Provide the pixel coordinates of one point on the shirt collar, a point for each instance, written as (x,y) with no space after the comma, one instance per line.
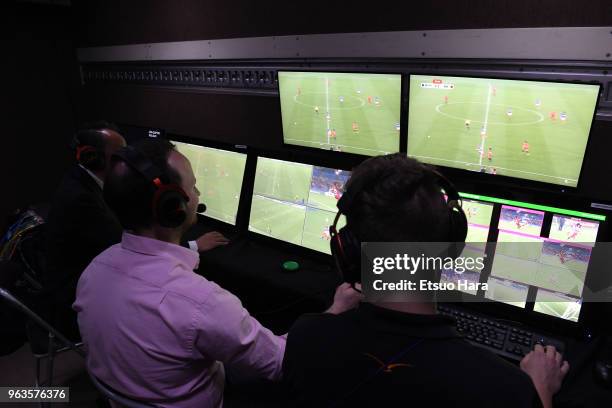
(410,324)
(96,178)
(150,246)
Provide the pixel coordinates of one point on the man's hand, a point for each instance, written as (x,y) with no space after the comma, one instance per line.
(546,368)
(211,240)
(346,298)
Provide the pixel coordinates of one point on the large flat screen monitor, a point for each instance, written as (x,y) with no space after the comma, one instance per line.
(219,175)
(348,112)
(296,202)
(523,129)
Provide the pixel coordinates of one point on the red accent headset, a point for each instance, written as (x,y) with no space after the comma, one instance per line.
(346,247)
(169,203)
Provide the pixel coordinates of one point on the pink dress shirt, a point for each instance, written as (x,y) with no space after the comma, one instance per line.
(154,330)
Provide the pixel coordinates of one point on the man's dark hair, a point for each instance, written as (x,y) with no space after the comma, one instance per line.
(129,194)
(396,198)
(90,134)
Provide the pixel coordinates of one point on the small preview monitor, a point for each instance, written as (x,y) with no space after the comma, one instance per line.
(219,175)
(522,129)
(346,112)
(296,202)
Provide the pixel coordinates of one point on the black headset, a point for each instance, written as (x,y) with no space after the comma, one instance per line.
(346,247)
(169,204)
(89,156)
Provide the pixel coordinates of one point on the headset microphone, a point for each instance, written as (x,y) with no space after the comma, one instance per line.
(201,208)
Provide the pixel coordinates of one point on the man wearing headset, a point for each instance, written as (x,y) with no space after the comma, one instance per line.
(384,353)
(81,225)
(155,330)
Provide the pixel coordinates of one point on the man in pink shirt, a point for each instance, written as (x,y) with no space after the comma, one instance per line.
(153,329)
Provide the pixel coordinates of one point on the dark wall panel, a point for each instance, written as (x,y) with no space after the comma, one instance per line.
(252,120)
(111,22)
(41,119)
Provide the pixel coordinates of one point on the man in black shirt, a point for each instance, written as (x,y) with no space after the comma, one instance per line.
(403,353)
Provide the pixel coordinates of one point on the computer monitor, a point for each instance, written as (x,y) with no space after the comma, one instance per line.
(523,129)
(219,175)
(545,251)
(348,112)
(296,202)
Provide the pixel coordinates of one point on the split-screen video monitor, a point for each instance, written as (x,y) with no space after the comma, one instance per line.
(523,129)
(219,175)
(296,202)
(346,112)
(554,264)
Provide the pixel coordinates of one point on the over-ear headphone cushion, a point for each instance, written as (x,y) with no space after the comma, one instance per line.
(170,206)
(346,249)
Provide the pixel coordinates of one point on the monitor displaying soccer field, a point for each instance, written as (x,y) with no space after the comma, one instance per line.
(296,202)
(345,112)
(523,129)
(219,175)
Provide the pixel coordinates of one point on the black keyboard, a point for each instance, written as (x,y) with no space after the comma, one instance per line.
(497,335)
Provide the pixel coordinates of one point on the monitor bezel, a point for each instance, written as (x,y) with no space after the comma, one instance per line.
(403,110)
(509,180)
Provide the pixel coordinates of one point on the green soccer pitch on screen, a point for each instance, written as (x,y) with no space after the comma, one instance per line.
(219,175)
(523,129)
(296,202)
(346,112)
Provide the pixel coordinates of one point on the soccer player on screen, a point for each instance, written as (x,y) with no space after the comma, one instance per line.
(517,221)
(553,115)
(494,91)
(538,103)
(355,127)
(563,116)
(369,99)
(509,113)
(490,154)
(316,109)
(325,234)
(575,231)
(467,123)
(299,91)
(445,98)
(341,99)
(494,171)
(525,147)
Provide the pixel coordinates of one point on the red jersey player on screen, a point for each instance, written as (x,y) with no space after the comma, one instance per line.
(445,98)
(369,99)
(525,147)
(553,115)
(517,221)
(575,231)
(490,154)
(355,127)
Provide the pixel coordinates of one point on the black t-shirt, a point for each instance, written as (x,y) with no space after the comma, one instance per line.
(377,357)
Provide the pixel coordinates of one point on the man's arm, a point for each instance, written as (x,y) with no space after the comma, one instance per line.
(228,333)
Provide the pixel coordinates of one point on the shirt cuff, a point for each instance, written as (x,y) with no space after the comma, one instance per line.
(193,245)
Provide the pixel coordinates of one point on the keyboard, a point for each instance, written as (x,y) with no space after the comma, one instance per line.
(497,335)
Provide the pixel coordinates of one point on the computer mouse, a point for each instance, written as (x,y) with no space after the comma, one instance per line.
(602,371)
